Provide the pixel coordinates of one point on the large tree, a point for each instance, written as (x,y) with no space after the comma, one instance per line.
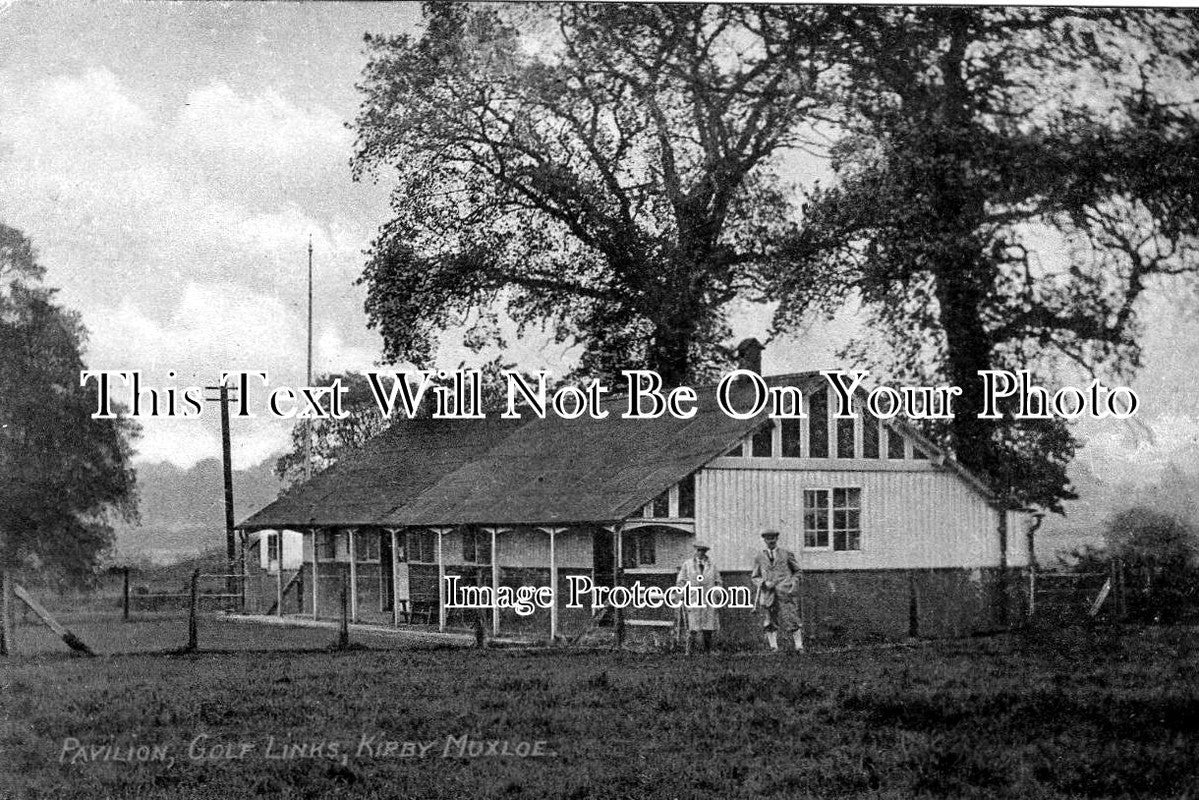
(1010,184)
(63,475)
(607,169)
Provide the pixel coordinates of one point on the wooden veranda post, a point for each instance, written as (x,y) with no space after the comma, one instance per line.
(316,600)
(353,534)
(279,575)
(495,582)
(343,632)
(617,571)
(553,587)
(395,575)
(440,578)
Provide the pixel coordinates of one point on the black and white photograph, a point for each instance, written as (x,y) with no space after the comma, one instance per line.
(610,400)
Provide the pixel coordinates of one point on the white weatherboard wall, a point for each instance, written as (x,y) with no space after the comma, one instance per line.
(530,547)
(910,519)
(294,550)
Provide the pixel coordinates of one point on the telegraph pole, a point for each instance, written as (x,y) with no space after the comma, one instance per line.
(227,471)
(227,464)
(308,423)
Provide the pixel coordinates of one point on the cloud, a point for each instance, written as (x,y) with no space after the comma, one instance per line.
(266,128)
(93,107)
(181,234)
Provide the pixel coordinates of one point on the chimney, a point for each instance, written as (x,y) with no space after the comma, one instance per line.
(749,355)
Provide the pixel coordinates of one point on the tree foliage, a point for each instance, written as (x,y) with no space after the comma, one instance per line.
(63,475)
(1010,182)
(605,168)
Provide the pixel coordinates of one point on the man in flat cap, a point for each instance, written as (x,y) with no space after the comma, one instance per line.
(776,580)
(699,571)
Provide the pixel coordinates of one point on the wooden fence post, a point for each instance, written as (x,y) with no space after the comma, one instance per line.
(1032,591)
(125,597)
(193,631)
(6,609)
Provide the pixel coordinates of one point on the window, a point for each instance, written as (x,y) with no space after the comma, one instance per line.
(366,545)
(818,424)
(687,497)
(833,516)
(815,518)
(422,546)
(762,445)
(845,432)
(326,545)
(638,548)
(870,437)
(660,508)
(847,519)
(790,436)
(476,546)
(894,444)
(272,545)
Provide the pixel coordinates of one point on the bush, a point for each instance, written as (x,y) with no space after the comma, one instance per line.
(1158,555)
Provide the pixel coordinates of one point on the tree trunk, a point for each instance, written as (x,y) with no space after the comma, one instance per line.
(670,351)
(960,293)
(964,274)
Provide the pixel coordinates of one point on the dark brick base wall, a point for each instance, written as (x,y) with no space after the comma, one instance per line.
(838,606)
(889,605)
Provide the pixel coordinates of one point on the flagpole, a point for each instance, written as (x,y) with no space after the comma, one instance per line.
(308,423)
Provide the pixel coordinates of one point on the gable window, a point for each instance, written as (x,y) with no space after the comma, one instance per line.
(366,545)
(660,508)
(790,436)
(845,433)
(687,497)
(762,444)
(476,546)
(422,547)
(833,518)
(638,548)
(818,424)
(870,437)
(894,445)
(326,545)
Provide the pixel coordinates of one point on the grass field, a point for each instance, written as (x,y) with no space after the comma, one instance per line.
(1073,714)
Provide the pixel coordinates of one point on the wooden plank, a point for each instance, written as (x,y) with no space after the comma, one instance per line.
(278,602)
(69,639)
(1103,593)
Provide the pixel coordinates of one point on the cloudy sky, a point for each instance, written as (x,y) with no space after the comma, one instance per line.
(170,162)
